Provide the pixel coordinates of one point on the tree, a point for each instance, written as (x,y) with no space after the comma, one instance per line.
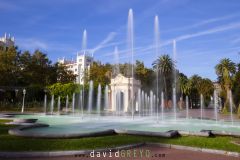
(144,74)
(63,90)
(99,74)
(206,89)
(225,71)
(165,66)
(236,87)
(64,75)
(183,84)
(9,66)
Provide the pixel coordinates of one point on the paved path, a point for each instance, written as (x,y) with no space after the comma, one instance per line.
(160,153)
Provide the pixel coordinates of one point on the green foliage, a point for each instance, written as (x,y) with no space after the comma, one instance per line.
(165,67)
(64,75)
(99,74)
(145,75)
(33,71)
(8,66)
(236,87)
(225,71)
(63,90)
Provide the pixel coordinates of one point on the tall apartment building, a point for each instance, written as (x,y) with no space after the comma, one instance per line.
(79,66)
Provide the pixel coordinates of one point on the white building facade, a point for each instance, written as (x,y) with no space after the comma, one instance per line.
(6,41)
(79,66)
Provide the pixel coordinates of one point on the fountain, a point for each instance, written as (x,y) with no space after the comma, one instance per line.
(174,104)
(151,103)
(230,105)
(106,99)
(99,95)
(148,104)
(201,105)
(130,45)
(45,103)
(84,48)
(73,103)
(162,106)
(59,104)
(156,36)
(90,97)
(67,101)
(174,80)
(187,107)
(84,41)
(142,103)
(139,102)
(216,105)
(52,104)
(79,101)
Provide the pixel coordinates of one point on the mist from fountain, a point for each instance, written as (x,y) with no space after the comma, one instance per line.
(201,105)
(187,107)
(52,105)
(162,106)
(174,80)
(151,103)
(59,104)
(67,101)
(142,103)
(146,104)
(99,96)
(45,104)
(156,38)
(90,97)
(79,101)
(231,105)
(84,41)
(216,105)
(73,103)
(106,99)
(130,45)
(174,104)
(84,48)
(139,102)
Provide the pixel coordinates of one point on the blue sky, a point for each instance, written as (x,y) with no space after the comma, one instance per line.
(206,31)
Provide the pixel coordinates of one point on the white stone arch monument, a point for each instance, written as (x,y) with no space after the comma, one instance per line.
(123,86)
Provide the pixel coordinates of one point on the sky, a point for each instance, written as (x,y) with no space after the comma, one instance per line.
(205,31)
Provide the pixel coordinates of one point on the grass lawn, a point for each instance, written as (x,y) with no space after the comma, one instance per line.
(13,143)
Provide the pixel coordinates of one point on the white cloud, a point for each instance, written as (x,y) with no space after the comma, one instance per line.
(103,43)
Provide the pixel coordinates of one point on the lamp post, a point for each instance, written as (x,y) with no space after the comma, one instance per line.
(24,93)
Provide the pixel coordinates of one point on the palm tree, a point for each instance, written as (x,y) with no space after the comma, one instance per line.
(183,84)
(225,70)
(164,65)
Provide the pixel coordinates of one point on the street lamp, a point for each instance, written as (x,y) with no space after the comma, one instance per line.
(24,93)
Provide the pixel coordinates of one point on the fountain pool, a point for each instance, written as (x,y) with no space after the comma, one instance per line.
(73,124)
